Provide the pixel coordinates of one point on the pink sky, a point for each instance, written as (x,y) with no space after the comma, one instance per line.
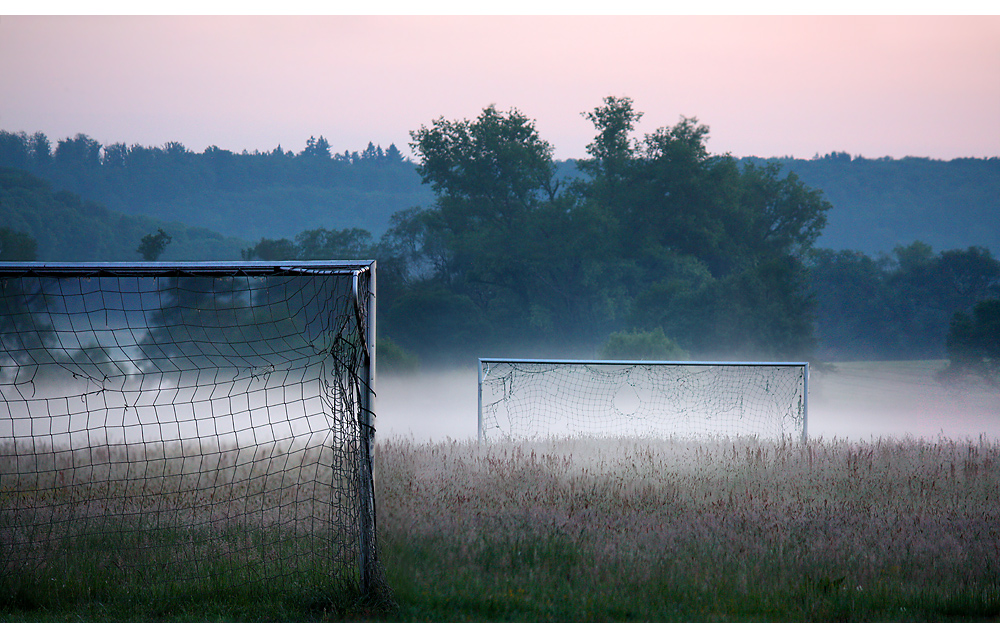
(766,86)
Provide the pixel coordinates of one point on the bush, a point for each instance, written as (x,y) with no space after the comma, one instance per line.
(974,343)
(392,358)
(649,345)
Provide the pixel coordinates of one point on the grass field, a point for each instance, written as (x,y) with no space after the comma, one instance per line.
(730,530)
(892,529)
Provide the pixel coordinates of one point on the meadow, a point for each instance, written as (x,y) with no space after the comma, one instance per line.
(674,530)
(892,528)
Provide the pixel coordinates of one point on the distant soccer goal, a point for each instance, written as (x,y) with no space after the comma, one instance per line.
(195,421)
(524,399)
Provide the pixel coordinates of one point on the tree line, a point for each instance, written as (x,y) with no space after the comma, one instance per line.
(881,203)
(40,222)
(896,306)
(648,244)
(244,195)
(656,241)
(877,203)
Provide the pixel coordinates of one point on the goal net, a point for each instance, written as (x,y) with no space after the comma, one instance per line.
(207,423)
(524,399)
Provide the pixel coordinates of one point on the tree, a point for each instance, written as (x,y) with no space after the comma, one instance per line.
(78,152)
(493,169)
(40,150)
(651,345)
(491,176)
(372,153)
(717,249)
(14,150)
(504,234)
(851,296)
(778,216)
(316,148)
(612,149)
(15,246)
(660,235)
(319,243)
(974,343)
(349,243)
(152,246)
(392,155)
(271,250)
(115,155)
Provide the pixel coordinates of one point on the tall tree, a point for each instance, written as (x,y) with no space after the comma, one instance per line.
(717,250)
(152,246)
(504,234)
(490,176)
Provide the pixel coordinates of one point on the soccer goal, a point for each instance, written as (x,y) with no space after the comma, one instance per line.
(524,399)
(206,422)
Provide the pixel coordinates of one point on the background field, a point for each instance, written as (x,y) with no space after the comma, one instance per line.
(868,521)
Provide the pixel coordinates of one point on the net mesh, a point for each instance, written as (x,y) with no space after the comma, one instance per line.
(524,399)
(188,425)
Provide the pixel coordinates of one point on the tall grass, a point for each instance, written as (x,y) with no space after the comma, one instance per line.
(171,521)
(566,530)
(579,529)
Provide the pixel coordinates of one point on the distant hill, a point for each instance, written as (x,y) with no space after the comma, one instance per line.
(879,204)
(68,228)
(246,195)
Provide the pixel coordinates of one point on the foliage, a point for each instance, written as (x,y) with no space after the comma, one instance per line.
(730,257)
(659,233)
(641,345)
(15,246)
(316,244)
(437,321)
(68,228)
(880,203)
(974,343)
(393,359)
(896,306)
(239,194)
(152,246)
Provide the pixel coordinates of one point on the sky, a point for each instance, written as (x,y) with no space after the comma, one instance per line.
(768,86)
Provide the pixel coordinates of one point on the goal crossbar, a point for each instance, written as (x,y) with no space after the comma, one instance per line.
(513,401)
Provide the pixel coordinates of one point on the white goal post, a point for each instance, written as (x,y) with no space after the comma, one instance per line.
(210,421)
(537,398)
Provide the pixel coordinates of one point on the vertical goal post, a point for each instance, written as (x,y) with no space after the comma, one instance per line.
(225,404)
(533,398)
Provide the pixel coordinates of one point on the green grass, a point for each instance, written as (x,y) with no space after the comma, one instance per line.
(154,576)
(731,530)
(576,530)
(500,588)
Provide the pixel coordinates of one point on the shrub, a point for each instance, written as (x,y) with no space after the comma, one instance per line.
(392,358)
(649,345)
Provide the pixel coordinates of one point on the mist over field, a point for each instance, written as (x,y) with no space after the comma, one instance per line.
(852,401)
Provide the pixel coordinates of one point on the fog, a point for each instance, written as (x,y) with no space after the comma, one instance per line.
(852,401)
(429,406)
(866,400)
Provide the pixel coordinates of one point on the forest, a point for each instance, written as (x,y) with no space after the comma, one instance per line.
(488,246)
